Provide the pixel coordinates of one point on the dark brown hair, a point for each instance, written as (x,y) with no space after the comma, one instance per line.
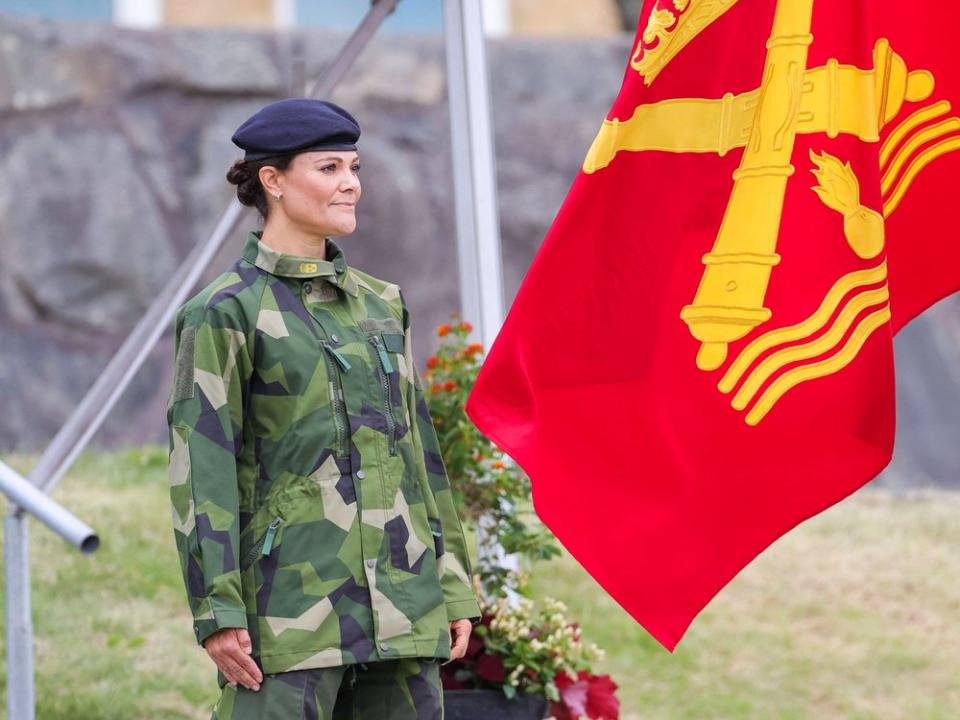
(245,174)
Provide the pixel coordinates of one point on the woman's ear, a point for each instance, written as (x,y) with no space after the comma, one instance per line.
(269,179)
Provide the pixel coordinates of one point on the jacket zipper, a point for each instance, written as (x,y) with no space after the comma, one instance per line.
(271,533)
(339,410)
(386,367)
(265,545)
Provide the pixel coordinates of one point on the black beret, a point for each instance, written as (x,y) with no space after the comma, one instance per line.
(296,125)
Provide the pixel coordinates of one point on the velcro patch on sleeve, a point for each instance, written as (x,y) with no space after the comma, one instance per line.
(183,375)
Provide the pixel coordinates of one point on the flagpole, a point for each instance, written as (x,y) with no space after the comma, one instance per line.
(475,196)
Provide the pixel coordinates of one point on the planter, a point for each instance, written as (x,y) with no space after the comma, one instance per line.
(492,705)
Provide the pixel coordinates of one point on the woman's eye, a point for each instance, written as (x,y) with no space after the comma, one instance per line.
(356,168)
(328,168)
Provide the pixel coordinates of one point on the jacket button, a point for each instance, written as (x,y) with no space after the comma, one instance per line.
(384,646)
(307,288)
(361,474)
(371,563)
(333,336)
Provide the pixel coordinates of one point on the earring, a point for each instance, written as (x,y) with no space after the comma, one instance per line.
(277,196)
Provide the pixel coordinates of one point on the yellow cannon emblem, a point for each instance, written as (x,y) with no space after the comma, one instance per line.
(792,99)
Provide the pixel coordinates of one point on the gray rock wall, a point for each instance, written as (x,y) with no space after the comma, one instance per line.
(113,149)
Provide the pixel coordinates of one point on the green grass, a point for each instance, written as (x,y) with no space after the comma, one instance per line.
(113,632)
(856,614)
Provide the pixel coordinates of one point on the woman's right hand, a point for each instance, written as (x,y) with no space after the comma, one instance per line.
(230,649)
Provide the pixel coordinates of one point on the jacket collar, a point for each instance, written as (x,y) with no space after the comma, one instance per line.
(335,270)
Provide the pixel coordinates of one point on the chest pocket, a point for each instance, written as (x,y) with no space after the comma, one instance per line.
(387,333)
(393,341)
(385,337)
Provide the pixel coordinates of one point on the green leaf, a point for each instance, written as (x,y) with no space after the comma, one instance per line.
(550,689)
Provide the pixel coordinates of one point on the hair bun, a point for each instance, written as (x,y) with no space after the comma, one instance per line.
(248,185)
(245,174)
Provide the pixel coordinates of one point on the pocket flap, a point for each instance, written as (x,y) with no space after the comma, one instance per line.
(393,341)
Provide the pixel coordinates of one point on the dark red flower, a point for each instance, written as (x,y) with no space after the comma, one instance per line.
(474,648)
(573,697)
(490,667)
(593,696)
(449,680)
(602,700)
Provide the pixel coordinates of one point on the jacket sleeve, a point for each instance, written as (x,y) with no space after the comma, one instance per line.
(453,561)
(205,418)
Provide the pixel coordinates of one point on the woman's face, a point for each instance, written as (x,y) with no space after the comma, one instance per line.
(320,190)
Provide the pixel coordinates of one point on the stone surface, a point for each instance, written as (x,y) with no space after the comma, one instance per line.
(114,144)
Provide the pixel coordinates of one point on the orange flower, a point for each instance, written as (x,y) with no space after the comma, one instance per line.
(438,421)
(450,385)
(433,361)
(466,326)
(443,330)
(473,349)
(499,464)
(436,387)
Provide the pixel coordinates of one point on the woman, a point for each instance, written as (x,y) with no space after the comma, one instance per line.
(324,561)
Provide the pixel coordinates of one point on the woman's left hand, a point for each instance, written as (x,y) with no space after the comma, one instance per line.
(459,634)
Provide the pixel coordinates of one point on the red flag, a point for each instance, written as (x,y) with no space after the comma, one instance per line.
(700,356)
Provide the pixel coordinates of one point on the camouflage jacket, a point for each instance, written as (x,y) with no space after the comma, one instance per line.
(310,500)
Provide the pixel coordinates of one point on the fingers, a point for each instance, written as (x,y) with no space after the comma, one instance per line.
(243,637)
(461,632)
(230,649)
(240,673)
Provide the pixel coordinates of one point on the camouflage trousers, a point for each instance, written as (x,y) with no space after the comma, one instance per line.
(402,689)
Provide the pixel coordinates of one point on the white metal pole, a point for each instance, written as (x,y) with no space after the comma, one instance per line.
(475,192)
(16,560)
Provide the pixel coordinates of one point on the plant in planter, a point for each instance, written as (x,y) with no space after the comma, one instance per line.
(521,658)
(489,490)
(521,650)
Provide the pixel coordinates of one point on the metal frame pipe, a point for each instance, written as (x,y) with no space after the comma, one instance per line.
(26,496)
